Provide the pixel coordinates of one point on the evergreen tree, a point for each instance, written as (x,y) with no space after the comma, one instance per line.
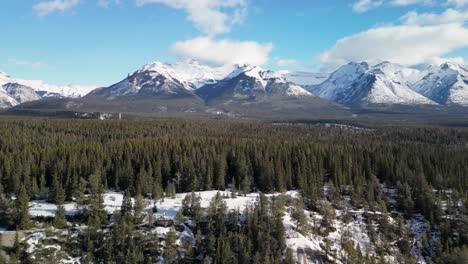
(22,208)
(300,218)
(127,204)
(60,220)
(170,250)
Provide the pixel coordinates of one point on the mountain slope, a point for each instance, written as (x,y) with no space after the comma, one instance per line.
(156,78)
(361,84)
(307,80)
(447,85)
(19,93)
(253,92)
(48,90)
(251,83)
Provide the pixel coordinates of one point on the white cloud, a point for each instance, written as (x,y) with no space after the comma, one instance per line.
(284,62)
(211,17)
(458,3)
(447,17)
(410,2)
(107,3)
(404,44)
(455,60)
(224,51)
(362,6)
(28,64)
(45,8)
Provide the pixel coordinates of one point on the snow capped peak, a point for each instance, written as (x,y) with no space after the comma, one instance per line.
(41,88)
(451,67)
(398,73)
(260,75)
(446,84)
(187,71)
(384,83)
(244,68)
(257,72)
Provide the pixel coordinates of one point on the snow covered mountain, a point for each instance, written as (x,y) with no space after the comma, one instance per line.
(14,91)
(48,90)
(249,82)
(360,83)
(157,78)
(12,94)
(447,85)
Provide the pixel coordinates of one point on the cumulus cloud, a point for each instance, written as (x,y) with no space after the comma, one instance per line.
(455,60)
(45,8)
(447,17)
(410,2)
(362,6)
(211,17)
(458,3)
(224,51)
(404,44)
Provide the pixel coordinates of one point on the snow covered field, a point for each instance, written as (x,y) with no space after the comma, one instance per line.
(167,207)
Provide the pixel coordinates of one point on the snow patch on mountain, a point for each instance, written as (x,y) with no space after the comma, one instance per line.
(447,84)
(48,90)
(252,83)
(190,73)
(384,83)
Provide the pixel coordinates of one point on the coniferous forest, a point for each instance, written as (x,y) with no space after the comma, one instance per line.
(309,175)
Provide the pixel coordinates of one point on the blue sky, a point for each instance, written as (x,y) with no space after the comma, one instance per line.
(97,42)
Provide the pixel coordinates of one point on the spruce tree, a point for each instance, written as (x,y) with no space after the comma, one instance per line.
(60,220)
(22,208)
(170,250)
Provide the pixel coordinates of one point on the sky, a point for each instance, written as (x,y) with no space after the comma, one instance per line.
(98,42)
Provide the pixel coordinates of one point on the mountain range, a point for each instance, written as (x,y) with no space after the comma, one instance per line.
(188,86)
(14,91)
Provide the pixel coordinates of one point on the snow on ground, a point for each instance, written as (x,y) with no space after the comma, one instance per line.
(41,208)
(310,247)
(170,206)
(419,226)
(167,207)
(32,240)
(297,242)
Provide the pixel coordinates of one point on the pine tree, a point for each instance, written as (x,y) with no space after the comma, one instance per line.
(60,220)
(217,214)
(80,193)
(171,190)
(220,173)
(179,218)
(139,207)
(300,218)
(96,213)
(170,250)
(191,206)
(233,188)
(56,193)
(189,256)
(22,208)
